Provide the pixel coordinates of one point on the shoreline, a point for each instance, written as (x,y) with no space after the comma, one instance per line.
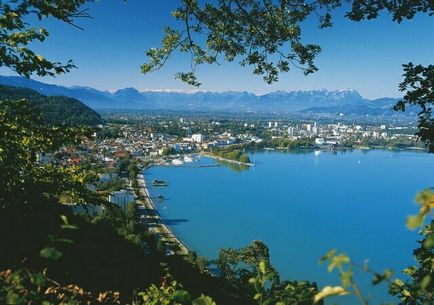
(160,228)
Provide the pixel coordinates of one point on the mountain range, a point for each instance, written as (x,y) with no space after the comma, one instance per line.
(346,102)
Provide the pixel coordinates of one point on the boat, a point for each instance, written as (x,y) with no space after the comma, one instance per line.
(177,162)
(188,159)
(156,182)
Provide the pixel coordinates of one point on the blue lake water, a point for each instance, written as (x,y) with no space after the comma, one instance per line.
(302,205)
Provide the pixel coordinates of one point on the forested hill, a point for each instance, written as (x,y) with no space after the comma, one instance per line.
(55,109)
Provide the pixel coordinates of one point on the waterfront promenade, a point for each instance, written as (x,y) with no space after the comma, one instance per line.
(156,223)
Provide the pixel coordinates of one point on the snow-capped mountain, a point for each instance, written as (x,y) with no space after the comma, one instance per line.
(346,101)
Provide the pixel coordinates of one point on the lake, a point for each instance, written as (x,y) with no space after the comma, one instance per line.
(301,204)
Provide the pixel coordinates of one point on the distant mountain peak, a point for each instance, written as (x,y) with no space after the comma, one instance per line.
(128,89)
(316,101)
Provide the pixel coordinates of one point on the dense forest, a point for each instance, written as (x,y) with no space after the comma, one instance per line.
(55,109)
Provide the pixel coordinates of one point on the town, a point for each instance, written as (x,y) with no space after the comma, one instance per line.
(125,142)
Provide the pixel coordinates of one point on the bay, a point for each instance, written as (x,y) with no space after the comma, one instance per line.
(301,204)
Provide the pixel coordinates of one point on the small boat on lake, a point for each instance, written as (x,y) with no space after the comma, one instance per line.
(156,182)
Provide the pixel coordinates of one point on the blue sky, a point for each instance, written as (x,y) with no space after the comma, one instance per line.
(365,56)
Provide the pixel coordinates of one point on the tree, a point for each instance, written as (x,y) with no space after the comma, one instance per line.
(16,34)
(250,276)
(168,151)
(420,288)
(265,34)
(132,212)
(24,135)
(418,86)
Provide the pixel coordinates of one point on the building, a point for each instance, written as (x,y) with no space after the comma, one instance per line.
(121,198)
(89,209)
(107,177)
(198,138)
(319,141)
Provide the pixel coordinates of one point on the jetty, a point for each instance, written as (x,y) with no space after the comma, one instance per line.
(157,225)
(225,160)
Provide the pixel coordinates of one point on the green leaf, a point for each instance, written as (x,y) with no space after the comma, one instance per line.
(425,282)
(50,253)
(414,222)
(329,255)
(64,219)
(181,297)
(338,261)
(38,279)
(346,278)
(263,267)
(329,291)
(64,240)
(12,298)
(378,278)
(203,300)
(69,227)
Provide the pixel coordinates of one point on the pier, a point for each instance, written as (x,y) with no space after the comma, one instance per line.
(225,160)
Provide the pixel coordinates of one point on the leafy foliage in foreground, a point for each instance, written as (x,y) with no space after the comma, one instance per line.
(419,289)
(16,34)
(266,35)
(24,135)
(25,287)
(418,86)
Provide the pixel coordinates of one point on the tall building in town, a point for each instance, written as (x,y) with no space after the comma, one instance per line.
(121,198)
(198,138)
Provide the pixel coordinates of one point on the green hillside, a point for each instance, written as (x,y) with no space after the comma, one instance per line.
(55,109)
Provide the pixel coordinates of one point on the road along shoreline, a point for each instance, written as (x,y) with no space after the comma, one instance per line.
(157,225)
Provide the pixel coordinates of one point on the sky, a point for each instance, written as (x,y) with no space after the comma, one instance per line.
(365,56)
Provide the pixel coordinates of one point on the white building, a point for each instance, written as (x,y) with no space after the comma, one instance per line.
(319,141)
(198,138)
(121,198)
